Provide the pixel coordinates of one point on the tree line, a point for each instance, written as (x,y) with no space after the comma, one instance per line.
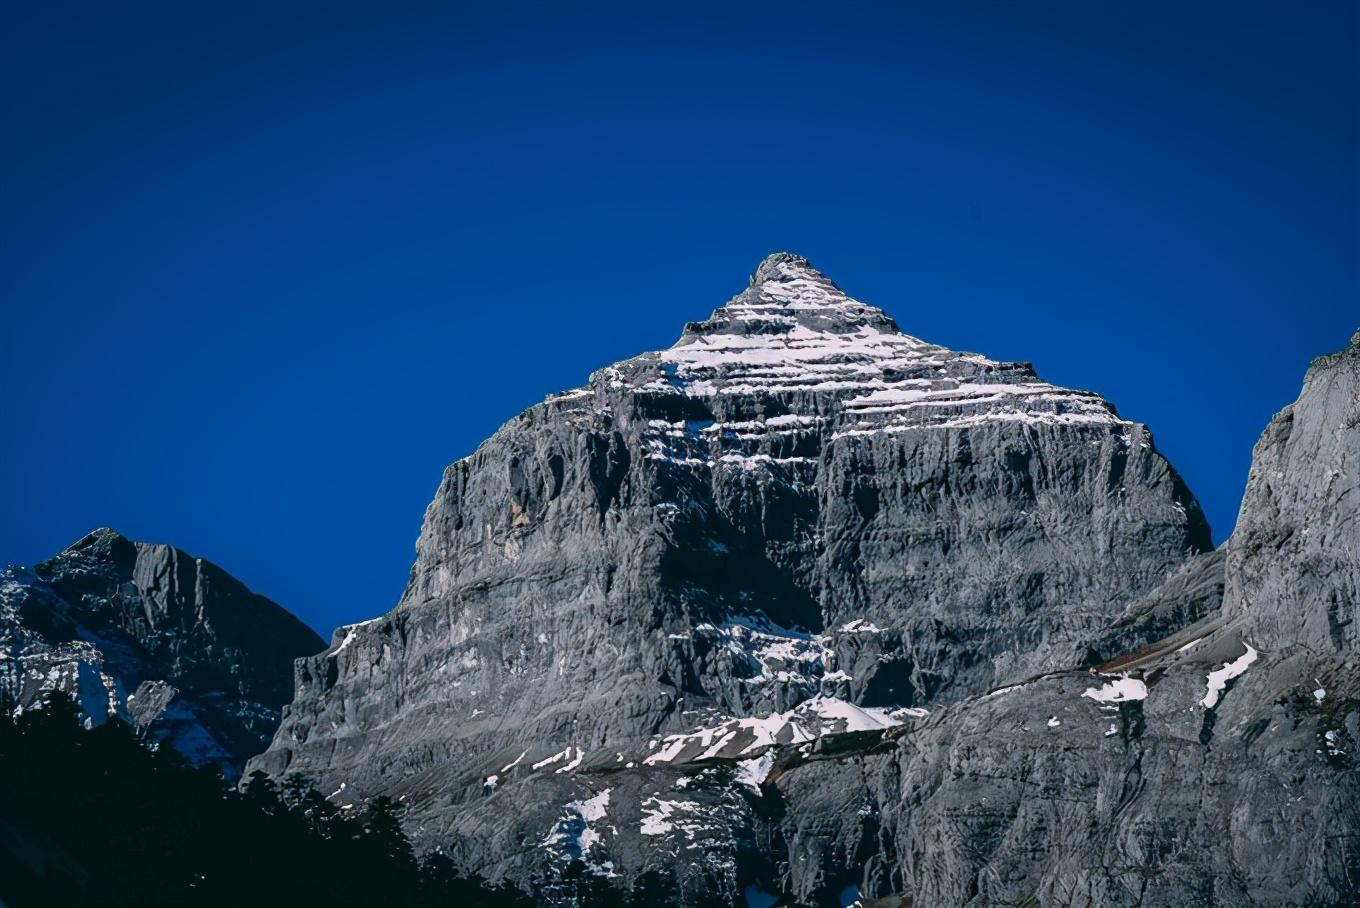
(93,816)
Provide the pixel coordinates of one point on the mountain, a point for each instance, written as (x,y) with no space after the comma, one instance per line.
(686,622)
(169,643)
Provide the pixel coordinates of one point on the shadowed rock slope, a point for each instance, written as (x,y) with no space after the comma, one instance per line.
(747,558)
(170,643)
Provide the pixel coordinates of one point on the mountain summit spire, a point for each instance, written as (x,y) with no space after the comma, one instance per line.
(783,266)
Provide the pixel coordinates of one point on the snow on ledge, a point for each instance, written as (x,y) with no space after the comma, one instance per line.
(1218,679)
(1120,690)
(351,631)
(576,761)
(548,761)
(753,772)
(656,815)
(811,719)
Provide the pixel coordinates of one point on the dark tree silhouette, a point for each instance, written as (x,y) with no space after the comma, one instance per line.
(95,817)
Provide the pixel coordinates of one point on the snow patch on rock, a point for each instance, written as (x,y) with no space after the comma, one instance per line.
(575,837)
(1219,678)
(808,721)
(1121,690)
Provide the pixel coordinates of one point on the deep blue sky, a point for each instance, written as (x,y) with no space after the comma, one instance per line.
(267,269)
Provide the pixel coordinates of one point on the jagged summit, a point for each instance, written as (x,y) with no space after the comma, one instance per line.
(96,537)
(786,266)
(101,540)
(168,642)
(793,333)
(96,534)
(787,292)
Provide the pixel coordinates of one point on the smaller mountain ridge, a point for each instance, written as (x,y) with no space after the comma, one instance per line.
(167,642)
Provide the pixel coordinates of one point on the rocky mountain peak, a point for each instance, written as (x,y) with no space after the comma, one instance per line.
(169,642)
(99,549)
(791,330)
(96,536)
(787,290)
(794,345)
(784,267)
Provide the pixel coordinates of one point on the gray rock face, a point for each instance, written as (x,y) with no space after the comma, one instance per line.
(168,642)
(1292,555)
(1187,602)
(1216,766)
(787,535)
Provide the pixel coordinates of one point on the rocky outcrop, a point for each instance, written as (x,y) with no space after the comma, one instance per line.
(170,643)
(1291,559)
(717,552)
